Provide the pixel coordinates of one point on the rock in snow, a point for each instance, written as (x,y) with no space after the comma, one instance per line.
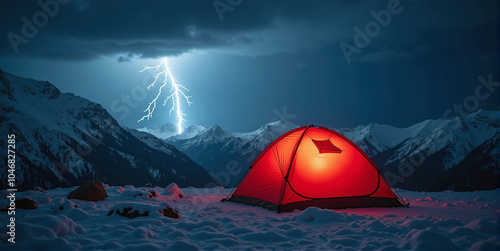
(134,210)
(173,190)
(170,213)
(26,203)
(90,191)
(128,212)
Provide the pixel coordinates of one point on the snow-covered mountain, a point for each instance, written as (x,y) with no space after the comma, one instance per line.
(431,155)
(62,139)
(169,131)
(166,131)
(224,154)
(459,136)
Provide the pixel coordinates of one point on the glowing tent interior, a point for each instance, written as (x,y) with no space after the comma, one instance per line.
(314,167)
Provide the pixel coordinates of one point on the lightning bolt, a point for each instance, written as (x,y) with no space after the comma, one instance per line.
(176,90)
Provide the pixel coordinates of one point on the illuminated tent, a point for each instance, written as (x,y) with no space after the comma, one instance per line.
(314,167)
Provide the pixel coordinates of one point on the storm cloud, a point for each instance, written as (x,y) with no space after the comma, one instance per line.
(333,63)
(83,30)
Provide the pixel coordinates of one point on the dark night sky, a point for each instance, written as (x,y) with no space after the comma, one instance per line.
(261,57)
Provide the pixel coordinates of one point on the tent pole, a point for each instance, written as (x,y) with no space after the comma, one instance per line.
(290,167)
(394,190)
(237,184)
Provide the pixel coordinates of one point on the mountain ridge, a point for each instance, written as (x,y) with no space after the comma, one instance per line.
(63,139)
(446,143)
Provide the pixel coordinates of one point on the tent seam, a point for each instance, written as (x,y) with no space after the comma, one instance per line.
(290,167)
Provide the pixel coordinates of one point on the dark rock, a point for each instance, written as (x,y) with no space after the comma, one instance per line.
(90,191)
(132,212)
(152,194)
(170,213)
(129,212)
(148,185)
(26,203)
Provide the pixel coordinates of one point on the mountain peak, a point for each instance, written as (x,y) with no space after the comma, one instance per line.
(485,113)
(216,131)
(281,123)
(195,128)
(188,133)
(278,126)
(168,127)
(164,132)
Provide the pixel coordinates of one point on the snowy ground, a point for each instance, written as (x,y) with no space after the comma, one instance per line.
(434,221)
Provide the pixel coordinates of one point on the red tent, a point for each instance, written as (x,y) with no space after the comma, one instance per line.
(314,166)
